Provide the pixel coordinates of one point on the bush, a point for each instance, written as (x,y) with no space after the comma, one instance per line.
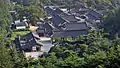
(16,30)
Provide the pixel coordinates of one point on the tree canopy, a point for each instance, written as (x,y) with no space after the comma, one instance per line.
(94,50)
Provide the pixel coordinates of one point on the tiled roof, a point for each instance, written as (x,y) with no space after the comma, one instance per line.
(69,18)
(46,27)
(18,23)
(94,15)
(28,41)
(52,11)
(56,20)
(71,30)
(49,10)
(76,26)
(69,33)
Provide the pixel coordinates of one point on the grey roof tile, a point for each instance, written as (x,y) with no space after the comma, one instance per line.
(69,33)
(28,41)
(56,20)
(76,26)
(69,18)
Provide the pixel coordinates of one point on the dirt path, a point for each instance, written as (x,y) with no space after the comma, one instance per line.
(32,28)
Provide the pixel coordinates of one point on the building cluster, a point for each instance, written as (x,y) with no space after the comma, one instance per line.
(61,22)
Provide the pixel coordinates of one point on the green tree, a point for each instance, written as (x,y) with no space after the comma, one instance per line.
(33,13)
(5,58)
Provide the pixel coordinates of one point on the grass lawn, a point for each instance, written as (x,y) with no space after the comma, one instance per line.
(15,34)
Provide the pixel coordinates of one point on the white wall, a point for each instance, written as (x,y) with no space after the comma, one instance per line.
(21,27)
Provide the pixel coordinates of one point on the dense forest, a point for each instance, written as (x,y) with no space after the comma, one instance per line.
(4,19)
(95,50)
(111,24)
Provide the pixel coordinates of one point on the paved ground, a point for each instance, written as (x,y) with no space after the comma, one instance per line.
(47,45)
(34,55)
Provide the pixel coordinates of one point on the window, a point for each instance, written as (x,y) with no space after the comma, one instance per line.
(22,44)
(38,48)
(34,49)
